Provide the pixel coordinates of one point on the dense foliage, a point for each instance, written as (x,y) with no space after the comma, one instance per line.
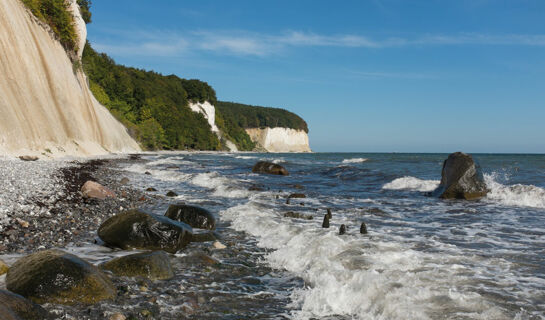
(154,107)
(247,116)
(55,13)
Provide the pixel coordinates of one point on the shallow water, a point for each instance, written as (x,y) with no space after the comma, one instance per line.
(423,258)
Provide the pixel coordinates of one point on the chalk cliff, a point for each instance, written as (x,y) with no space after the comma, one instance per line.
(45,104)
(280,139)
(209,112)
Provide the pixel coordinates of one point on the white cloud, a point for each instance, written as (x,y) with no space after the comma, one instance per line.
(240,43)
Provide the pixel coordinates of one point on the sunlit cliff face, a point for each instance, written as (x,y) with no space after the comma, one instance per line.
(45,104)
(280,139)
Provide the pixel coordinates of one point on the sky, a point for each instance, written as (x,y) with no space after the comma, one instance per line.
(367,76)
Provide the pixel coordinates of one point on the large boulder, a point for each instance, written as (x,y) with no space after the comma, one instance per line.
(14,306)
(142,230)
(461,178)
(54,276)
(269,168)
(194,216)
(95,190)
(153,265)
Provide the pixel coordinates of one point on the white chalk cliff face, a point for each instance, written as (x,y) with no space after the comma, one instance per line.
(280,139)
(46,106)
(209,112)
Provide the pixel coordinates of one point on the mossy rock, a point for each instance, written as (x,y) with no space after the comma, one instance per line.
(14,306)
(152,265)
(269,168)
(194,216)
(141,230)
(54,276)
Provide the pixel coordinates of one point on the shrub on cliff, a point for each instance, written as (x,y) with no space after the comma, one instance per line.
(55,13)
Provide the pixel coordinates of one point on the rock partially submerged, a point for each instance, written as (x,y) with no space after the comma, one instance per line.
(142,230)
(95,190)
(14,306)
(54,276)
(153,265)
(194,216)
(461,178)
(298,215)
(269,168)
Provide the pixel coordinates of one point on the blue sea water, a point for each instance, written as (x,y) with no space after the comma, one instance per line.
(423,258)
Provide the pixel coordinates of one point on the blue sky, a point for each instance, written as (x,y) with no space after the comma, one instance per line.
(369,76)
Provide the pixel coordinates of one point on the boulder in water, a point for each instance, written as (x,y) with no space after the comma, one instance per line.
(172,194)
(54,276)
(142,230)
(342,229)
(194,216)
(95,190)
(153,265)
(461,178)
(269,168)
(298,215)
(325,223)
(18,307)
(363,228)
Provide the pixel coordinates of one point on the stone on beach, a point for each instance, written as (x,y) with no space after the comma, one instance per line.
(28,158)
(461,178)
(194,216)
(218,245)
(14,306)
(269,168)
(142,230)
(95,190)
(153,265)
(54,276)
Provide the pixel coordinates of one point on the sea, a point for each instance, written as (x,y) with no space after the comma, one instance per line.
(422,257)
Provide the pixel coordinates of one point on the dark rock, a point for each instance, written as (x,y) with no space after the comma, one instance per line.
(256,188)
(363,228)
(205,237)
(151,189)
(461,178)
(19,307)
(297,195)
(54,276)
(172,194)
(342,229)
(147,173)
(152,265)
(288,201)
(124,181)
(28,158)
(298,215)
(325,224)
(269,168)
(142,230)
(329,215)
(194,216)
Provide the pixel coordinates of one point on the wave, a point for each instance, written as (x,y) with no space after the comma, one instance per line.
(412,183)
(245,157)
(357,277)
(514,195)
(355,160)
(221,186)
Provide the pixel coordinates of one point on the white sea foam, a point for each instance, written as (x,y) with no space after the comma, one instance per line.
(222,186)
(412,183)
(245,157)
(354,160)
(514,195)
(362,278)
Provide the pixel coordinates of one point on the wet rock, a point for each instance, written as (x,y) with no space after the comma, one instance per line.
(204,237)
(151,189)
(152,265)
(218,245)
(256,188)
(14,306)
(28,158)
(171,194)
(117,316)
(194,216)
(363,228)
(297,195)
(95,190)
(269,168)
(200,259)
(147,173)
(329,215)
(298,215)
(124,181)
(461,178)
(54,276)
(325,223)
(342,229)
(3,267)
(142,230)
